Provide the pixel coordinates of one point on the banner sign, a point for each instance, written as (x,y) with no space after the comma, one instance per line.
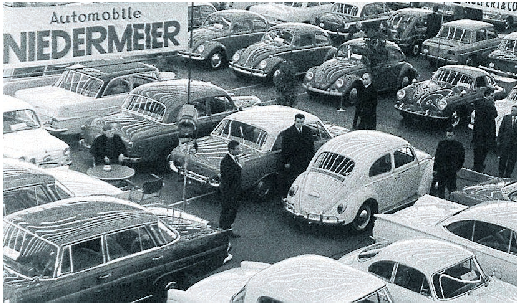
(90,31)
(494,6)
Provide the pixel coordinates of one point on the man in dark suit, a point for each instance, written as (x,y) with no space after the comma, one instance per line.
(365,117)
(483,133)
(434,22)
(297,150)
(448,160)
(108,148)
(231,186)
(507,143)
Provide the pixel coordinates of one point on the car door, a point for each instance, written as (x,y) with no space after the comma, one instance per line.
(303,55)
(406,175)
(243,34)
(218,108)
(386,74)
(204,120)
(381,181)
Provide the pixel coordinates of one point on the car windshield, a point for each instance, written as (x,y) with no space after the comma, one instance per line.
(217,22)
(335,163)
(20,120)
(345,8)
(452,77)
(354,53)
(79,83)
(508,45)
(458,279)
(278,37)
(401,21)
(28,254)
(247,134)
(458,34)
(145,106)
(372,9)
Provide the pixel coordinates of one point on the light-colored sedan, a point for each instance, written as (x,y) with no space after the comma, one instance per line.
(356,175)
(488,229)
(305,12)
(302,279)
(424,270)
(26,139)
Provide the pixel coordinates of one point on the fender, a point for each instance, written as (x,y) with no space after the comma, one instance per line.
(212,45)
(354,202)
(272,63)
(408,68)
(349,81)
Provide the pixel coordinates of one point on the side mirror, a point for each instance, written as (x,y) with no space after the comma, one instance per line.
(187,121)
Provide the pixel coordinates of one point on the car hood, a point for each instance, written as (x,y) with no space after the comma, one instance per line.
(253,54)
(212,149)
(503,55)
(421,89)
(331,70)
(49,101)
(201,35)
(334,17)
(31,142)
(319,192)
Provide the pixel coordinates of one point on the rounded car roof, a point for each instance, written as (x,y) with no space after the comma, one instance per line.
(237,14)
(312,278)
(362,42)
(69,220)
(502,213)
(473,71)
(426,255)
(273,118)
(511,36)
(467,23)
(298,27)
(364,145)
(10,103)
(413,11)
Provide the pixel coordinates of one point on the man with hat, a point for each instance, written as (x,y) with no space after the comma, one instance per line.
(507,143)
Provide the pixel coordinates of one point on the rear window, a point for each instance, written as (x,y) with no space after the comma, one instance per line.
(335,163)
(458,34)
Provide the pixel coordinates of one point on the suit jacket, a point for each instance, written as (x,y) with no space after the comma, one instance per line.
(231,179)
(365,117)
(507,138)
(449,157)
(483,133)
(100,149)
(297,149)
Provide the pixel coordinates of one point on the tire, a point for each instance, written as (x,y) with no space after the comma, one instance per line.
(264,189)
(217,59)
(415,50)
(351,96)
(364,219)
(405,80)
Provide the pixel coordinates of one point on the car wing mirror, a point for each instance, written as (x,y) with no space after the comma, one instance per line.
(187,121)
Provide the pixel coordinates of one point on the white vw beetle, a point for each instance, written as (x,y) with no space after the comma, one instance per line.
(356,175)
(26,139)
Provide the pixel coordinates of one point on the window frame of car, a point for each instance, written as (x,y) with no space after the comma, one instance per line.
(382,167)
(405,162)
(425,281)
(136,99)
(48,191)
(64,79)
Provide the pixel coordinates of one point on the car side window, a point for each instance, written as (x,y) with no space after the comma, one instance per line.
(412,279)
(26,197)
(66,263)
(219,104)
(117,86)
(87,254)
(403,156)
(278,143)
(381,165)
(480,35)
(491,34)
(139,80)
(304,40)
(321,38)
(480,82)
(494,236)
(200,106)
(241,26)
(463,229)
(383,269)
(311,4)
(259,25)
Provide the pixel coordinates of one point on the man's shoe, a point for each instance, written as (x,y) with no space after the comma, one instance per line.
(234,235)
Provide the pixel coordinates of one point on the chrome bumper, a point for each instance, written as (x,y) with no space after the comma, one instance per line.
(191,56)
(320,91)
(255,73)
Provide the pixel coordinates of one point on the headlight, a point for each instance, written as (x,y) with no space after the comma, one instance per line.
(263,64)
(491,65)
(339,83)
(214,181)
(425,51)
(322,25)
(401,94)
(66,151)
(309,75)
(441,104)
(293,190)
(200,48)
(236,57)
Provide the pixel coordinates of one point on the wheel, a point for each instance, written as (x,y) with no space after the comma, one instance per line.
(508,23)
(217,59)
(415,49)
(471,61)
(351,96)
(364,219)
(264,189)
(405,80)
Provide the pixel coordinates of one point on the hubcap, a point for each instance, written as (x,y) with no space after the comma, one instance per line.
(216,60)
(363,218)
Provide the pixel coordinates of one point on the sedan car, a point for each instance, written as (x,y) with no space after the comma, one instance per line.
(259,130)
(449,94)
(197,13)
(297,45)
(86,91)
(148,121)
(304,12)
(488,229)
(341,75)
(300,279)
(503,60)
(102,249)
(462,42)
(356,175)
(222,34)
(493,189)
(26,139)
(425,270)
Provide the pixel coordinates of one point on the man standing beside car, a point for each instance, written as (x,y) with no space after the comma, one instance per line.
(231,187)
(483,135)
(507,143)
(297,150)
(365,117)
(448,160)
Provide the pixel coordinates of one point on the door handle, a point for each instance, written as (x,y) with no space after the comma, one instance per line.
(158,258)
(105,276)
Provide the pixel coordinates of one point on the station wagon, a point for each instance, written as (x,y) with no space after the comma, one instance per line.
(503,60)
(300,46)
(86,91)
(102,249)
(148,120)
(222,34)
(461,42)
